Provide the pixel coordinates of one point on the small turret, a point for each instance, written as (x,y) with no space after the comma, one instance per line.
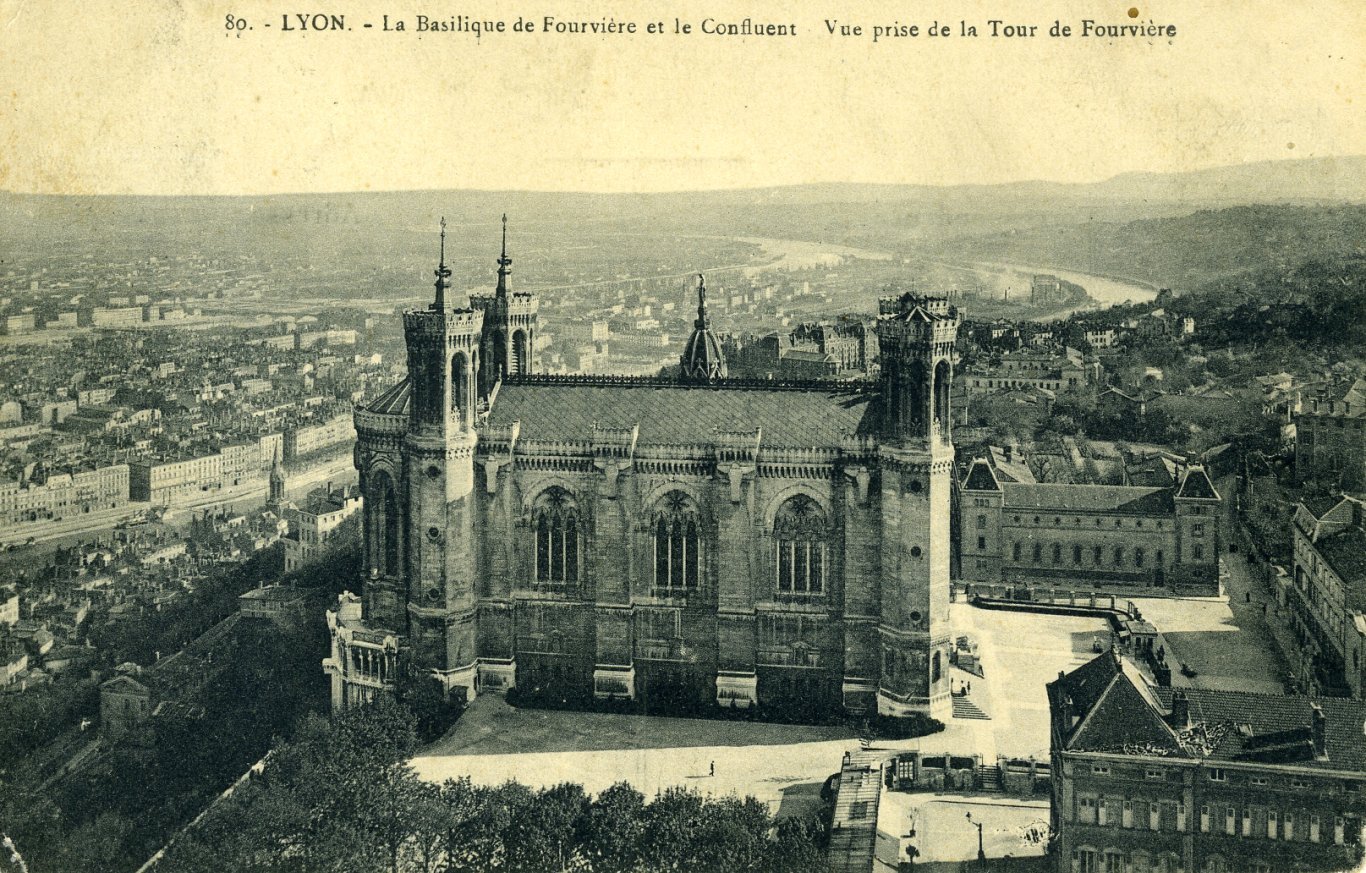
(703,360)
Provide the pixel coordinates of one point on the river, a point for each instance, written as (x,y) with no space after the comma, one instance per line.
(1103,291)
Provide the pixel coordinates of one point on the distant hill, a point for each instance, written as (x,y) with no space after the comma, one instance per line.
(1115,227)
(882,214)
(1182,252)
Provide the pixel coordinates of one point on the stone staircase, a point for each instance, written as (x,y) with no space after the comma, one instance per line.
(989,777)
(965,708)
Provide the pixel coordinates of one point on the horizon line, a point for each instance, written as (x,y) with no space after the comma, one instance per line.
(782,186)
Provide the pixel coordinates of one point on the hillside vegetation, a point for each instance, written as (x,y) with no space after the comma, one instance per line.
(1184,252)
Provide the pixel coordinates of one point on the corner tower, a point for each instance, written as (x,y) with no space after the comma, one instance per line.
(438,472)
(508,338)
(916,336)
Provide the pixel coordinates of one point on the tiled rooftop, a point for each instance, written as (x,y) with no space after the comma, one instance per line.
(669,414)
(1087,498)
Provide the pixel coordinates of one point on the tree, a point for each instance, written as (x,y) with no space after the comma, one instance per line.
(611,829)
(541,837)
(799,847)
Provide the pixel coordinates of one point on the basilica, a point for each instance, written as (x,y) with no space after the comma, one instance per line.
(696,538)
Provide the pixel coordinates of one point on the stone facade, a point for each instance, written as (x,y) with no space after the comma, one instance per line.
(1327,599)
(1147,778)
(1120,538)
(125,703)
(697,541)
(1330,435)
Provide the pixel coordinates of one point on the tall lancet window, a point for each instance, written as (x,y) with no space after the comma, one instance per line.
(800,533)
(384,515)
(677,544)
(521,355)
(558,532)
(460,367)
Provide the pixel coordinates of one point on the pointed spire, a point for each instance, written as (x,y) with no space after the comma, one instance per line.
(703,359)
(443,273)
(504,262)
(701,323)
(277,479)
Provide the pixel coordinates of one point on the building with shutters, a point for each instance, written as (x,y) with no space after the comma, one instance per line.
(1193,780)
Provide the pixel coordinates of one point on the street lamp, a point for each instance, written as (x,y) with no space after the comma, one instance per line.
(981,853)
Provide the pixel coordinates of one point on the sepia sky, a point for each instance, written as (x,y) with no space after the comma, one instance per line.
(155,97)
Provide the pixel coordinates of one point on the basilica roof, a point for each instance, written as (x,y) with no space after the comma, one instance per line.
(673,414)
(392,402)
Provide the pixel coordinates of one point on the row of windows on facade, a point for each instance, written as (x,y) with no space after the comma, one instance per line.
(1140,557)
(1076,520)
(1249,821)
(1110,860)
(1221,774)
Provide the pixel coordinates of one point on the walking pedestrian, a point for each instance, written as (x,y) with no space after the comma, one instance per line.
(713,768)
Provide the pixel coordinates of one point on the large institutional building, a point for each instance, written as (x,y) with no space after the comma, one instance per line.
(698,539)
(1127,539)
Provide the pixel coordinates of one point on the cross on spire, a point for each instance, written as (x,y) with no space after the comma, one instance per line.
(504,262)
(701,323)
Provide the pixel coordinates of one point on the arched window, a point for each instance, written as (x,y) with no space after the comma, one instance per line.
(1095,556)
(459,375)
(1076,554)
(1015,551)
(500,353)
(1138,557)
(1119,555)
(677,544)
(1057,553)
(799,537)
(935,668)
(1038,553)
(520,362)
(384,524)
(943,378)
(558,529)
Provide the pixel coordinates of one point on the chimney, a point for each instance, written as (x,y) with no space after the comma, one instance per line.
(1181,711)
(1320,731)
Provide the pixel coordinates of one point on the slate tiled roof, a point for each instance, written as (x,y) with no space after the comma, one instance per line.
(980,477)
(1196,484)
(1320,505)
(1090,498)
(1116,710)
(1345,552)
(1267,714)
(124,685)
(1087,683)
(1124,719)
(670,414)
